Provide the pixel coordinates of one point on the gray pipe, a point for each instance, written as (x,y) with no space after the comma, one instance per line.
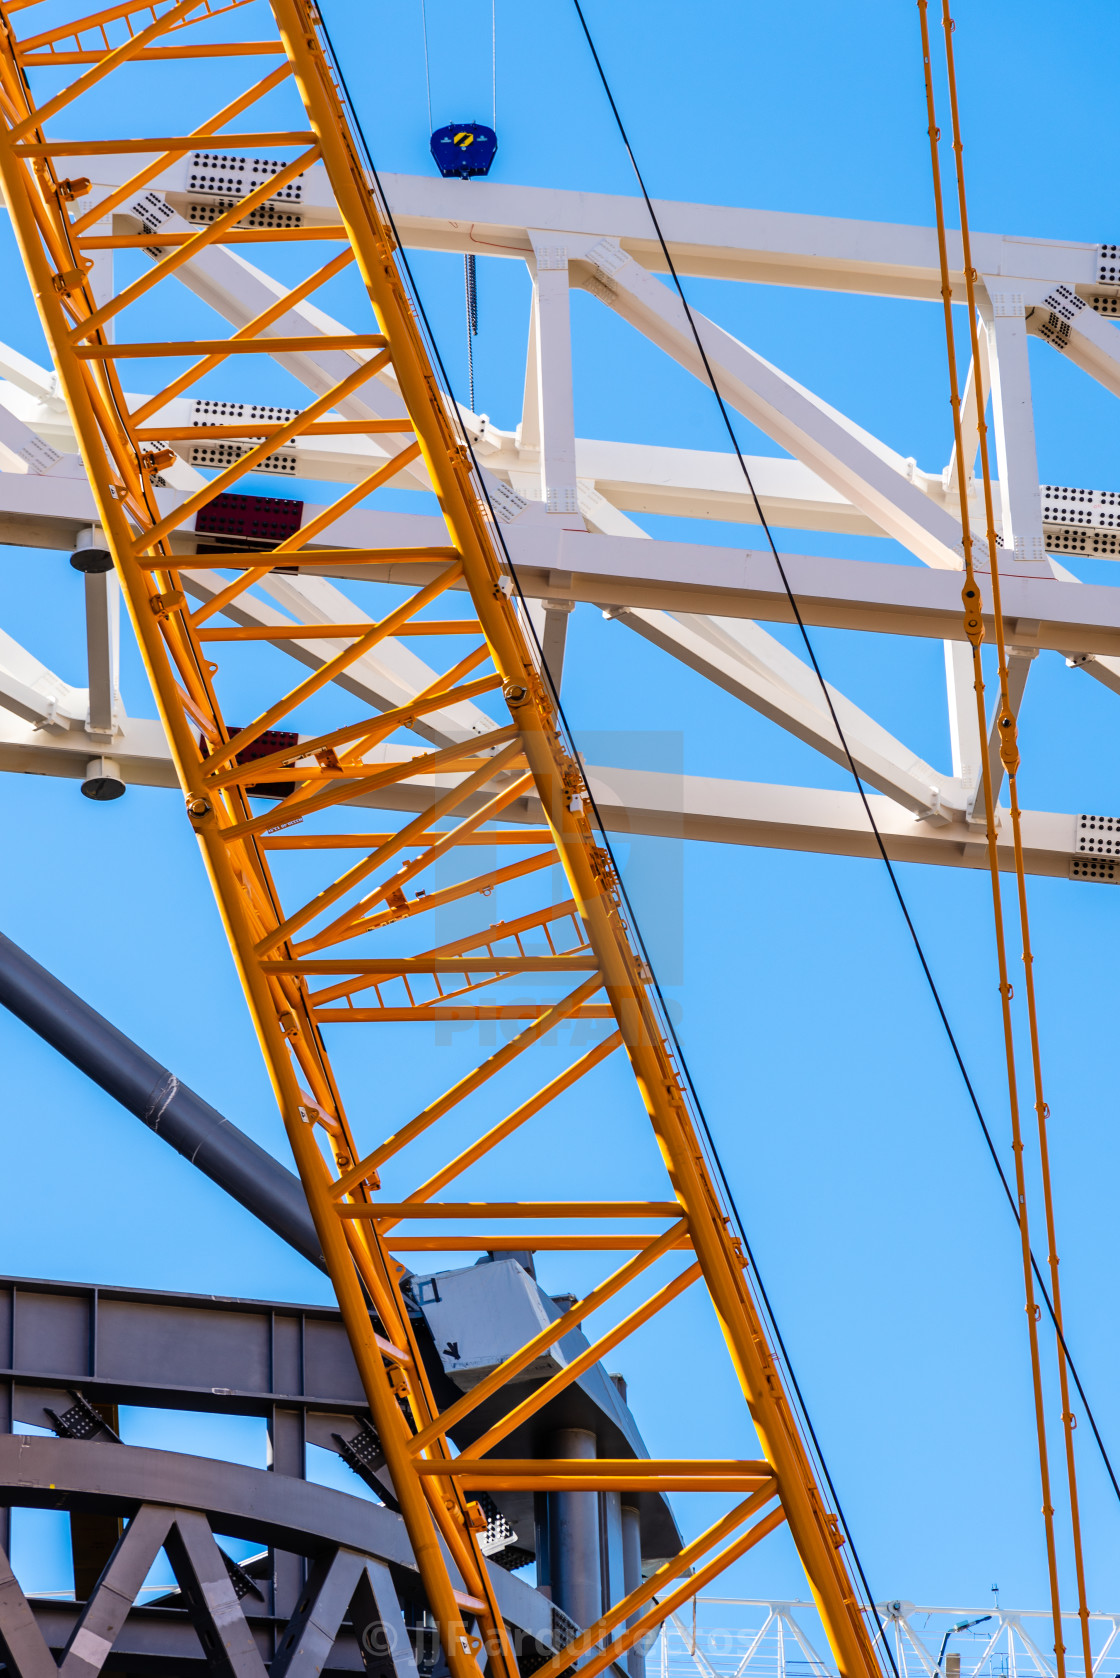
(190,1125)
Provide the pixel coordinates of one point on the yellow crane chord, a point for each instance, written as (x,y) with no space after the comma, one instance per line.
(326,940)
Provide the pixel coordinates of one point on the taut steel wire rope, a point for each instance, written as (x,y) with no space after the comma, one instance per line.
(1052,1304)
(1007,735)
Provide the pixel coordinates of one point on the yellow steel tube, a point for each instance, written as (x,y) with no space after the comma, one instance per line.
(586,1360)
(285,1017)
(387,1415)
(548,1336)
(520,1115)
(112,60)
(252,329)
(665,1574)
(653,1069)
(354,876)
(402,1210)
(660,1612)
(177,145)
(194,243)
(204,131)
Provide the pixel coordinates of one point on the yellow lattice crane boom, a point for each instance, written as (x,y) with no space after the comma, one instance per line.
(330,929)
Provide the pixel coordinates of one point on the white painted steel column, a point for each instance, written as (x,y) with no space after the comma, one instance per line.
(556,414)
(554,640)
(1013,426)
(103,635)
(964,729)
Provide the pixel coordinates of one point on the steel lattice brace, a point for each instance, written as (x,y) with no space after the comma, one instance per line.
(308,940)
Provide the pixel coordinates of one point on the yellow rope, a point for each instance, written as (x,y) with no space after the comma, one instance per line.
(1009,756)
(1009,752)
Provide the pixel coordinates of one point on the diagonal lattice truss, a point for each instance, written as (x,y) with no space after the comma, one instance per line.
(340,933)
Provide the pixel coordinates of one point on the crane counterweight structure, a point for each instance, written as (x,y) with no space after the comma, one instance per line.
(319,949)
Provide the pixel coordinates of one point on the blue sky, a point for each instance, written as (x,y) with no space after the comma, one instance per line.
(874,1212)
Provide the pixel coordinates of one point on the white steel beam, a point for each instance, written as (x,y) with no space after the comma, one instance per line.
(768,247)
(1053,614)
(556,413)
(103,641)
(35,695)
(555,636)
(527,438)
(969,429)
(631,801)
(103,629)
(745,661)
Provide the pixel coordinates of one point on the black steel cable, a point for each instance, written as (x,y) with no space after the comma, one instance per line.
(807,642)
(470,286)
(791,598)
(666,1020)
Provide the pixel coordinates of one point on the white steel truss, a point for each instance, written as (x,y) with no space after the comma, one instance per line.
(741,1637)
(567,502)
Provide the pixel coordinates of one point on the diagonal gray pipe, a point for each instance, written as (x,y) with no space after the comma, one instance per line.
(192,1127)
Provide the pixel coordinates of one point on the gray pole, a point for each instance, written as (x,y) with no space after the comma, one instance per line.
(632,1578)
(190,1125)
(574,1536)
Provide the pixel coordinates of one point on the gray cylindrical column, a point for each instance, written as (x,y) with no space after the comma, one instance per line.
(573,1520)
(632,1578)
(190,1125)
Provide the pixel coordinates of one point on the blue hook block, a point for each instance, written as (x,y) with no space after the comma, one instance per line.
(464,149)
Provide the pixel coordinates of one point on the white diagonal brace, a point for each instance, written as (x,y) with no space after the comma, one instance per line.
(969,429)
(747,662)
(21,450)
(1103,670)
(855,464)
(1071,326)
(30,691)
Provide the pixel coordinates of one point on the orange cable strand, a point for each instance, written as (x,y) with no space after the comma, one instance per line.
(1009,752)
(974,629)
